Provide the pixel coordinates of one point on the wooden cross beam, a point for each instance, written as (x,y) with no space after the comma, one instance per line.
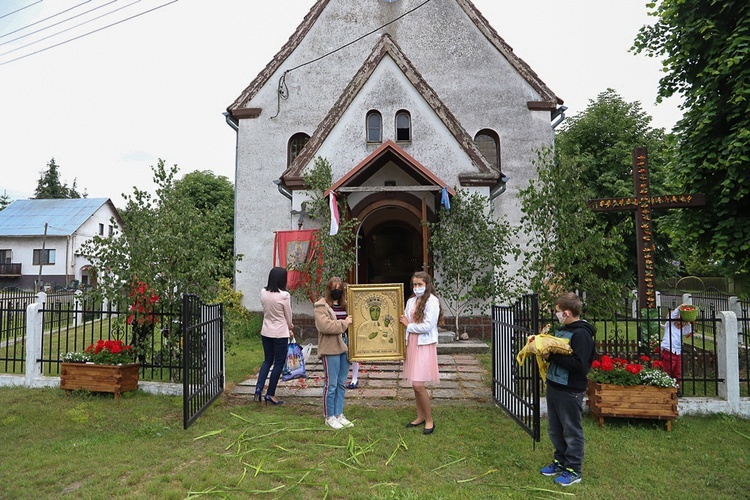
(642,204)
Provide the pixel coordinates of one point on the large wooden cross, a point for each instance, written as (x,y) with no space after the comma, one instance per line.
(642,204)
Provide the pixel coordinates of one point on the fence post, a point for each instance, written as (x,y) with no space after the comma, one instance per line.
(34,332)
(736,308)
(728,359)
(634,304)
(78,306)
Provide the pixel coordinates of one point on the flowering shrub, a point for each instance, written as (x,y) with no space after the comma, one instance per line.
(142,306)
(618,371)
(103,352)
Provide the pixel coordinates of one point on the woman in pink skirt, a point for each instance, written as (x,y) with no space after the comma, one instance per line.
(421,318)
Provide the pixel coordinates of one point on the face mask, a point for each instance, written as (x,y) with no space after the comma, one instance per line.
(419,291)
(336,294)
(560,317)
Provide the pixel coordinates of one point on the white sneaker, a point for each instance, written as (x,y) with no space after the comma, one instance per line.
(334,423)
(345,422)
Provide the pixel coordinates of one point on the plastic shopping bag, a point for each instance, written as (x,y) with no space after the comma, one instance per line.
(295,363)
(307,352)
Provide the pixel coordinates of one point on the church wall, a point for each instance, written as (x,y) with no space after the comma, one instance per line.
(467,73)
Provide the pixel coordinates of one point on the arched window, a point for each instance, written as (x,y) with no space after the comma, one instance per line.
(374,127)
(403,126)
(296,143)
(489,144)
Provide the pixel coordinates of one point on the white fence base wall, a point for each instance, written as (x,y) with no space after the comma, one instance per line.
(158,388)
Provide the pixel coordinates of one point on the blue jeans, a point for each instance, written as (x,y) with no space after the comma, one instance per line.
(275,352)
(565,429)
(336,368)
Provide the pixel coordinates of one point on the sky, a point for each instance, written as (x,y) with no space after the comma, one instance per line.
(107,105)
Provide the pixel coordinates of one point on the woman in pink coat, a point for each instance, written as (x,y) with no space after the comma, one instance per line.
(275,333)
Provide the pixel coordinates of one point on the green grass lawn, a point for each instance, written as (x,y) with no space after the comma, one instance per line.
(88,446)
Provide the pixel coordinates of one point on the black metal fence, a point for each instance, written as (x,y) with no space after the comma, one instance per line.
(13,304)
(743,325)
(155,334)
(204,356)
(516,388)
(629,336)
(70,325)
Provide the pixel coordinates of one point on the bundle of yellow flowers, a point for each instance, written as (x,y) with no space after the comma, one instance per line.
(540,345)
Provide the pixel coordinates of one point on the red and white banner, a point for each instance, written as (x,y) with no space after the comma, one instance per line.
(334,206)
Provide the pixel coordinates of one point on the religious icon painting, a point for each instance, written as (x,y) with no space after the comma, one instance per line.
(376,334)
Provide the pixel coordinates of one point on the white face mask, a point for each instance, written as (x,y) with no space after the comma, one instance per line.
(419,291)
(560,317)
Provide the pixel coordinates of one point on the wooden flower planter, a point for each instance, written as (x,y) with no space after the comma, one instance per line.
(636,401)
(99,378)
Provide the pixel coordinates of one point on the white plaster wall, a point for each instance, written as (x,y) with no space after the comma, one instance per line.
(468,74)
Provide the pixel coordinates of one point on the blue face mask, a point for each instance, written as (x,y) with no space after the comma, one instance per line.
(419,291)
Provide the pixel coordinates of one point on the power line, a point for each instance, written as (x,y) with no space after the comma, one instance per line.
(88,33)
(19,10)
(56,24)
(71,28)
(45,19)
(283,93)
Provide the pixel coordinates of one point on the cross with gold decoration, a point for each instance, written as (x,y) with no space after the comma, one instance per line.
(642,204)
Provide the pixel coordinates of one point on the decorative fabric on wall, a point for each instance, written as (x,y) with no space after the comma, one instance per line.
(293,248)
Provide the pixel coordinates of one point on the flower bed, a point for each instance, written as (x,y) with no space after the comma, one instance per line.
(114,379)
(639,389)
(634,401)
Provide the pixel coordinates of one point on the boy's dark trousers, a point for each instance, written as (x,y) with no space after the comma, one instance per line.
(564,410)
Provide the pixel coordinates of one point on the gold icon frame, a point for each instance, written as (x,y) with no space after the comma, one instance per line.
(376,334)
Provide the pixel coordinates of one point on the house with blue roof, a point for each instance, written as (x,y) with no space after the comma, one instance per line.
(40,241)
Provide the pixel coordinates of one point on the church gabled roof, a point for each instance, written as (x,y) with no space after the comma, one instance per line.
(548,98)
(485,173)
(390,152)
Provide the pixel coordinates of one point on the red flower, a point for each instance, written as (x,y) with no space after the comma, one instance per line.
(633,368)
(645,359)
(596,364)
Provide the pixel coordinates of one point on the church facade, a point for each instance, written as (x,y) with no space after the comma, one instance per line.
(403,98)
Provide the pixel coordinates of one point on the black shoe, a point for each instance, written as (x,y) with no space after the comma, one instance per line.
(410,424)
(257,397)
(269,399)
(430,430)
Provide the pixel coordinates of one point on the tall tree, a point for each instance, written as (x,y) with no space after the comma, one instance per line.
(212,194)
(5,200)
(166,243)
(569,247)
(50,186)
(471,251)
(600,140)
(705,46)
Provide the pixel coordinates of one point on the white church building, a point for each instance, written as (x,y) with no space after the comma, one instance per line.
(403,98)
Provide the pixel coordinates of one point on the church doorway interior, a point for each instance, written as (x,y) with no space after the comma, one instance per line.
(390,253)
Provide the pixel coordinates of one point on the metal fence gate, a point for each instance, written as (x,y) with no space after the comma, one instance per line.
(516,388)
(203,356)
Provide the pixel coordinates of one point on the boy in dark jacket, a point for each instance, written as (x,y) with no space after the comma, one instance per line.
(566,385)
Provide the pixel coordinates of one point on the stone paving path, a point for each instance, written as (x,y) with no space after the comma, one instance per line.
(462,378)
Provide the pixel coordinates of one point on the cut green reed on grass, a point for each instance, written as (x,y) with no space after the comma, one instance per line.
(89,446)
